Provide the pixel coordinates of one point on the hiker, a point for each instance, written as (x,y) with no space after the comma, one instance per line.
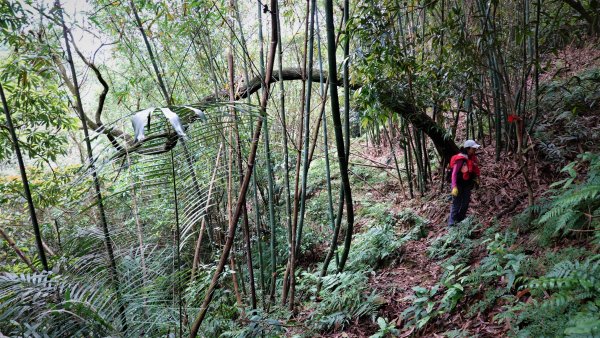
(465,176)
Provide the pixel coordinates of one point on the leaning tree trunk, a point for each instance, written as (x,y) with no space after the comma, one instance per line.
(34,221)
(337,123)
(591,16)
(441,139)
(96,180)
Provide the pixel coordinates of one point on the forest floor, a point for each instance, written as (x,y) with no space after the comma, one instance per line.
(502,194)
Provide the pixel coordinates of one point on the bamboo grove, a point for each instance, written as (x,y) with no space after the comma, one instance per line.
(203,217)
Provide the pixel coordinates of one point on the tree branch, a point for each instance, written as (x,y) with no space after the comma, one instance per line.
(287,74)
(578,7)
(18,251)
(444,144)
(101,98)
(111,133)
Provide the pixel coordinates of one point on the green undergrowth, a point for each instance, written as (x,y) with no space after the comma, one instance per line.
(348,296)
(539,277)
(571,208)
(363,176)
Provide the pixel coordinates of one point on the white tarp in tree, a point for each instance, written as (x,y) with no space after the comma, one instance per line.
(140,121)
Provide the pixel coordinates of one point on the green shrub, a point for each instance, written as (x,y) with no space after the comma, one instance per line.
(47,304)
(500,261)
(378,212)
(415,224)
(385,329)
(258,325)
(571,281)
(574,206)
(430,303)
(537,266)
(456,242)
(566,302)
(345,296)
(564,129)
(422,310)
(372,248)
(223,309)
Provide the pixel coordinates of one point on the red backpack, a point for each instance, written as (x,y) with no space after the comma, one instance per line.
(450,166)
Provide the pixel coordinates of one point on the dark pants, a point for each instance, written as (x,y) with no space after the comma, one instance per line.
(460,204)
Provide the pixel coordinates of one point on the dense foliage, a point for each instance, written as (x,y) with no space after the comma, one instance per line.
(246,205)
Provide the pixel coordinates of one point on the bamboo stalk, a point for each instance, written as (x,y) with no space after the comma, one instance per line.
(387,134)
(346,77)
(244,188)
(161,83)
(284,132)
(255,195)
(196,260)
(408,159)
(236,288)
(139,230)
(96,180)
(27,191)
(245,225)
(335,111)
(269,165)
(305,149)
(290,270)
(259,242)
(177,235)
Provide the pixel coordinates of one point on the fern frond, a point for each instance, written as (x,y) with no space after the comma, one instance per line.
(64,308)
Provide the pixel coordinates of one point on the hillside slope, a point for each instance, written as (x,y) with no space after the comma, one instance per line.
(487,277)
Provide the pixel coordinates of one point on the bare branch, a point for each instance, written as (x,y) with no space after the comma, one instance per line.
(111,133)
(102,96)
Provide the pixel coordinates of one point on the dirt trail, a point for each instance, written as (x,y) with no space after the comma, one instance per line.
(502,194)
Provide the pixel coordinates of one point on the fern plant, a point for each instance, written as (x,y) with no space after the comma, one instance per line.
(259,325)
(373,248)
(345,296)
(500,261)
(584,324)
(457,240)
(571,281)
(571,301)
(576,205)
(49,305)
(422,310)
(430,303)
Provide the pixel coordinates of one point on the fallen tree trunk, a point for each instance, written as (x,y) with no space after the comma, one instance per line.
(286,74)
(442,140)
(393,101)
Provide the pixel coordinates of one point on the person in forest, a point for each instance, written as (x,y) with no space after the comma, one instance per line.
(464,177)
